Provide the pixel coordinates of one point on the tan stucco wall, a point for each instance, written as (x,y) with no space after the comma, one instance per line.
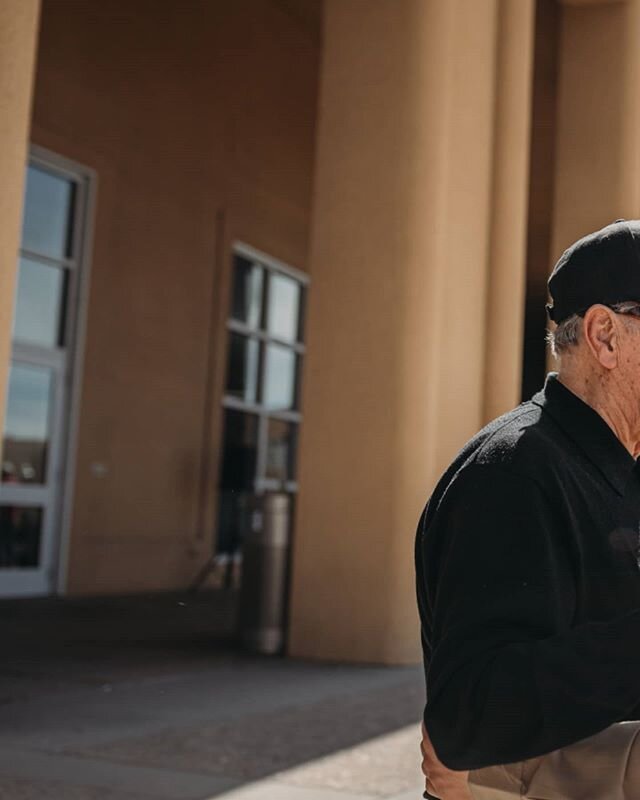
(18,39)
(510,189)
(200,127)
(394,379)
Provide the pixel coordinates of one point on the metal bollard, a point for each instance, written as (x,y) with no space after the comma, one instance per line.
(265,556)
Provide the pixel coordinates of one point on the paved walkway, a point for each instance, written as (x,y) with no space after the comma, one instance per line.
(98,703)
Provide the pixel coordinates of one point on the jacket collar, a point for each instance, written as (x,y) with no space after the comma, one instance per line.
(588,429)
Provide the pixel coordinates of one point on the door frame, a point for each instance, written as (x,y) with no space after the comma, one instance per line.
(71,389)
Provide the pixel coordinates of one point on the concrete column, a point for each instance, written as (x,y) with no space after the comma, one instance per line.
(507,262)
(598,136)
(394,372)
(630,164)
(18,40)
(598,121)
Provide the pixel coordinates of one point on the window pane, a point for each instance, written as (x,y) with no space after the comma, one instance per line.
(20,531)
(26,436)
(46,225)
(280,450)
(242,367)
(234,518)
(279,388)
(239,450)
(237,476)
(39,302)
(246,305)
(284,305)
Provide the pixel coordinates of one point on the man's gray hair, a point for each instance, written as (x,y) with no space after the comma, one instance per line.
(567,333)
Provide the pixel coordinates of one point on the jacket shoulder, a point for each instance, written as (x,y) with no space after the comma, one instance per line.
(520,441)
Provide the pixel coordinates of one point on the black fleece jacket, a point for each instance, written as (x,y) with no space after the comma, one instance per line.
(528,585)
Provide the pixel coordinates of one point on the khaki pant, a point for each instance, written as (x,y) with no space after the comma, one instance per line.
(603,767)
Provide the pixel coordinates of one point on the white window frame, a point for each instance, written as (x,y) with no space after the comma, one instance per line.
(271,265)
(86,179)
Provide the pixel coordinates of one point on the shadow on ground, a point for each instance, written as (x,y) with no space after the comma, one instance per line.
(151,697)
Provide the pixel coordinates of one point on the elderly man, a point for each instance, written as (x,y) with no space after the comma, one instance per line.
(527,563)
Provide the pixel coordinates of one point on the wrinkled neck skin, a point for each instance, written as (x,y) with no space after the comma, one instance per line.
(610,394)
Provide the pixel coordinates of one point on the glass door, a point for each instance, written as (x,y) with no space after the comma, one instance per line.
(39,375)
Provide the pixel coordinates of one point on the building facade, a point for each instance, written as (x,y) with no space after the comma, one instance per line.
(283,245)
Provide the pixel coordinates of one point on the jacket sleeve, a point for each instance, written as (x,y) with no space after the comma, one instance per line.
(509,677)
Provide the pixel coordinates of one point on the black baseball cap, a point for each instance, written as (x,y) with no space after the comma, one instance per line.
(602,267)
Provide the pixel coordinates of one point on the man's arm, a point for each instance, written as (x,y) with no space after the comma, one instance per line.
(509,678)
(440,781)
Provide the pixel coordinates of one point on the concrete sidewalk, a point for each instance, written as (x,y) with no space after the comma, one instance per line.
(139,712)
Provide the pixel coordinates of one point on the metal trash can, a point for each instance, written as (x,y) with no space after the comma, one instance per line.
(265,560)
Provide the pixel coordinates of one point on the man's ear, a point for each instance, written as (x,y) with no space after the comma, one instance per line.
(601,335)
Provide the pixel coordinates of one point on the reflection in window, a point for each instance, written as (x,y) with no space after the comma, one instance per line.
(239,449)
(20,531)
(247,292)
(284,302)
(242,367)
(279,390)
(280,450)
(47,214)
(237,477)
(39,304)
(263,366)
(26,431)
